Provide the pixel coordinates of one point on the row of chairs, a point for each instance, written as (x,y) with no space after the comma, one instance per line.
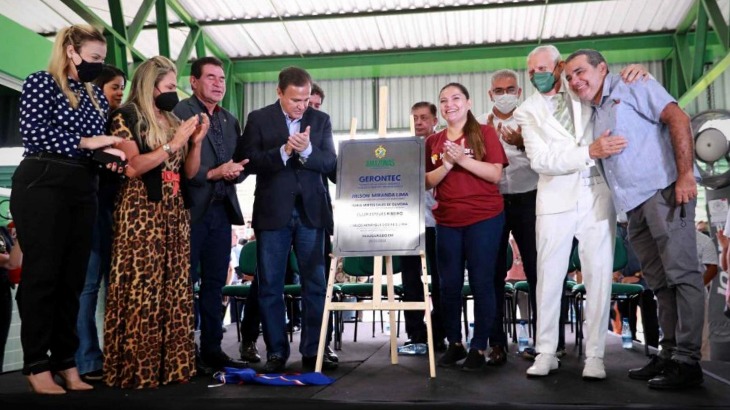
(238,294)
(576,292)
(619,291)
(357,267)
(363,267)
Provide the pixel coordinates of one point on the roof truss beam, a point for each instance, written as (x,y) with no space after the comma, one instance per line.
(187,48)
(617,49)
(384,12)
(201,42)
(90,17)
(117,51)
(138,22)
(163,35)
(685,76)
(718,22)
(191,22)
(118,36)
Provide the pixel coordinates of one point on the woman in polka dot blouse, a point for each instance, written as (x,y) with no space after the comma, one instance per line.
(53,201)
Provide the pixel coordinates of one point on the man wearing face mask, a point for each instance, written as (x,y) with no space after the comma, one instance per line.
(573,200)
(519,189)
(214,204)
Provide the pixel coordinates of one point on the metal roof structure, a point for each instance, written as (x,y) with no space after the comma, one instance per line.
(381,38)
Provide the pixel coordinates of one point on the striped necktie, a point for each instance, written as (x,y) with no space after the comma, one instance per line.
(562,115)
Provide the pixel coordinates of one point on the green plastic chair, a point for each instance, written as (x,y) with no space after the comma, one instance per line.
(619,291)
(239,293)
(362,266)
(524,287)
(293,294)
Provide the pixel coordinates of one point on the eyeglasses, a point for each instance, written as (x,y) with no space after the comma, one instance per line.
(501,91)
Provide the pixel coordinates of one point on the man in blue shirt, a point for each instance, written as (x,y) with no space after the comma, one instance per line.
(653,180)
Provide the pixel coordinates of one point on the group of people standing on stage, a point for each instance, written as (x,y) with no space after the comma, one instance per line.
(557,167)
(572,155)
(166,203)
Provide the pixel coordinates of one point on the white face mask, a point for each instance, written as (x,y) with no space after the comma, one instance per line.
(505,103)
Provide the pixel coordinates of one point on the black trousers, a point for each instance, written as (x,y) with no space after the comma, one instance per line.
(649,318)
(53,203)
(413,292)
(519,212)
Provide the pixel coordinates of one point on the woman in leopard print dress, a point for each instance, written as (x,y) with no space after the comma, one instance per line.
(148,337)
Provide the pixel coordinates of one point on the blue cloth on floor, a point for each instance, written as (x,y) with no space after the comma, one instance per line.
(231,375)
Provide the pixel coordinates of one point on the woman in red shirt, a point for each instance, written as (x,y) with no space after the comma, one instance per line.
(464,164)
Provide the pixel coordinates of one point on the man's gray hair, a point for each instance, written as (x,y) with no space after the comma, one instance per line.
(506,73)
(554,53)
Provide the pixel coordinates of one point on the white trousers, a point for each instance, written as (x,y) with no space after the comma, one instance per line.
(593,223)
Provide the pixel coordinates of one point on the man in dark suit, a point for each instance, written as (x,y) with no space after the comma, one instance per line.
(214,203)
(290,148)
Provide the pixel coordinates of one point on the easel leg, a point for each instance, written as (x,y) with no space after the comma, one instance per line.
(391,313)
(326,314)
(427,315)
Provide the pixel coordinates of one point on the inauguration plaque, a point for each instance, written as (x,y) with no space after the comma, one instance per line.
(379,205)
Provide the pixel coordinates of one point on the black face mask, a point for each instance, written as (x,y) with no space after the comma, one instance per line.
(167,101)
(88,71)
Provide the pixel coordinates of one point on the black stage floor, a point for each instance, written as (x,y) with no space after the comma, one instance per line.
(367,380)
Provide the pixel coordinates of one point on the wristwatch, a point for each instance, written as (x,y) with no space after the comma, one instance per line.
(167,149)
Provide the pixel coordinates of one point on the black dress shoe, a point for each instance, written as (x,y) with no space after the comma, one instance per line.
(650,370)
(497,356)
(439,345)
(219,360)
(331,355)
(308,363)
(454,353)
(202,368)
(475,361)
(678,375)
(249,352)
(274,364)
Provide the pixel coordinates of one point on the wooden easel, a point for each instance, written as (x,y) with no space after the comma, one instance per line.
(377,304)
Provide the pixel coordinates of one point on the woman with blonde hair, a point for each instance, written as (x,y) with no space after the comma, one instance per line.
(464,164)
(148,335)
(53,202)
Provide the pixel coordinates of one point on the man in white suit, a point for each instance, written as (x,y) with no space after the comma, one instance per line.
(572,200)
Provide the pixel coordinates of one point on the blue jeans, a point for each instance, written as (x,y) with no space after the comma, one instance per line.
(273,256)
(89,356)
(210,248)
(476,245)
